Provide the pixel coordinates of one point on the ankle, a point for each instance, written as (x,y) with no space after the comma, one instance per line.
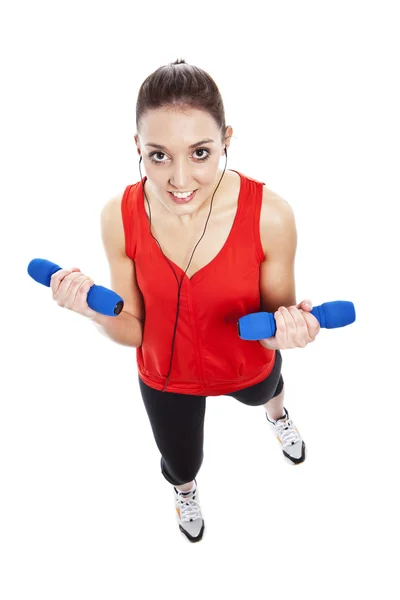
(186,487)
(274,416)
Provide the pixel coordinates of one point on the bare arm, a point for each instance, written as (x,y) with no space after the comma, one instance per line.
(127,328)
(277,279)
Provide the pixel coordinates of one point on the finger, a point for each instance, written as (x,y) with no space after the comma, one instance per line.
(290,322)
(80,301)
(305,305)
(279,322)
(302,336)
(298,318)
(313,324)
(70,271)
(282,327)
(69,287)
(297,330)
(57,278)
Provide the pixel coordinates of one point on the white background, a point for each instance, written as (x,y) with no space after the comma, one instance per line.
(311,91)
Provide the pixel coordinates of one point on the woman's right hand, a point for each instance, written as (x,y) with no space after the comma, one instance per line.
(70,289)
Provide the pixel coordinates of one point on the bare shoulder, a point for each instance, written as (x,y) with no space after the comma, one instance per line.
(122,267)
(112,228)
(277,221)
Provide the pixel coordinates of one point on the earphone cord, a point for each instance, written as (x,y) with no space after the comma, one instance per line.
(180,284)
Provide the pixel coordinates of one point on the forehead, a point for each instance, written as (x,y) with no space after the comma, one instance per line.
(177,125)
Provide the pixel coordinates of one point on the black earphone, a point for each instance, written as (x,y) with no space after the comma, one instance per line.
(180,284)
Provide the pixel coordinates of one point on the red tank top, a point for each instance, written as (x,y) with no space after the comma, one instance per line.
(209,358)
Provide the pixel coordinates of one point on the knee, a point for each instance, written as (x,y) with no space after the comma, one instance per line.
(279,387)
(178,474)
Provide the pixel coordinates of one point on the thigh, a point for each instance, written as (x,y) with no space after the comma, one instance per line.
(177,420)
(265,390)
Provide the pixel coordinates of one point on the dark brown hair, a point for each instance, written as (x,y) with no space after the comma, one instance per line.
(183,86)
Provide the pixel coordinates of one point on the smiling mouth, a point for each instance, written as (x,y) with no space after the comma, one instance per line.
(183,200)
(191,191)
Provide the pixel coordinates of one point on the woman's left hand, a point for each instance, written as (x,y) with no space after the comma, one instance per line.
(295,327)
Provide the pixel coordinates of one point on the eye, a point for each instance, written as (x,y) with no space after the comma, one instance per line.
(156,154)
(199,159)
(203,150)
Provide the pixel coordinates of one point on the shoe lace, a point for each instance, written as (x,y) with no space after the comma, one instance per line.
(190,508)
(287,432)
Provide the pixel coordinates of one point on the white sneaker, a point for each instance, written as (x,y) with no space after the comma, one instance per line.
(189,515)
(286,432)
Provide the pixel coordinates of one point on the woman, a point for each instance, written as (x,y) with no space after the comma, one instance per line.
(236,240)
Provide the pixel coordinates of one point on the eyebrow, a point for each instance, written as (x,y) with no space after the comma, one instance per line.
(191,146)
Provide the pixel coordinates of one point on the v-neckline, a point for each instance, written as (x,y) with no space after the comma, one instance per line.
(234,224)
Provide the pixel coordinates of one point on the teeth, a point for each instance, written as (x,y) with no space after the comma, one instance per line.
(185,195)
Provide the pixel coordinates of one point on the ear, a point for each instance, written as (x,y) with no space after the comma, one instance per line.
(136,138)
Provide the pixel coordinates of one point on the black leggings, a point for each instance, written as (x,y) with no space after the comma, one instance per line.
(177,421)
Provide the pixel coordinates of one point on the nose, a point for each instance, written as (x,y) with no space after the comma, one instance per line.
(181,178)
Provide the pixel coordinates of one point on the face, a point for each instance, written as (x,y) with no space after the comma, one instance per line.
(178,167)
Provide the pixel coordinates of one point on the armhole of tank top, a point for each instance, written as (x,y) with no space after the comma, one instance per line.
(257,221)
(128,215)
